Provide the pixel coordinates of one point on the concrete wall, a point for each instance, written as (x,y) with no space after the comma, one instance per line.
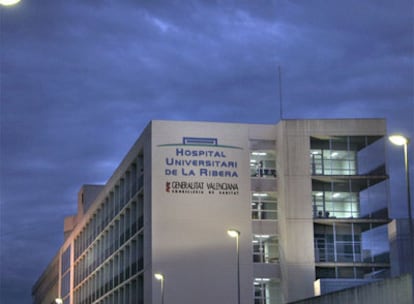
(190,245)
(395,290)
(295,211)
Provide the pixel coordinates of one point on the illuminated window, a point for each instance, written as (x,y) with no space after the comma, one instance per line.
(264,206)
(335,204)
(347,155)
(263,163)
(265,248)
(267,291)
(328,162)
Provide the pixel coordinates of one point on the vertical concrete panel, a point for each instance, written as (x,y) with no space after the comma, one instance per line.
(295,223)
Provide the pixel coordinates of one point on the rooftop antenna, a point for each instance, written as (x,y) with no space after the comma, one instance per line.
(280,92)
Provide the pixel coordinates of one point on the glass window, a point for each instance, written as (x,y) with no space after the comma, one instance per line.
(65,284)
(264,206)
(347,155)
(335,204)
(265,248)
(267,291)
(350,242)
(65,260)
(333,162)
(263,163)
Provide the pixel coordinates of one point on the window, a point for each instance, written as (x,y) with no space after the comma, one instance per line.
(335,204)
(351,243)
(65,284)
(66,260)
(347,155)
(329,162)
(267,291)
(265,248)
(264,206)
(263,163)
(337,243)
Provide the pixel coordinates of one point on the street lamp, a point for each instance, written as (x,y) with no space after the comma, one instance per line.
(401,140)
(236,234)
(8,3)
(161,278)
(58,301)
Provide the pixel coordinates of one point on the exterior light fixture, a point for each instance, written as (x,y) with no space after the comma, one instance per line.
(58,301)
(262,236)
(398,140)
(9,3)
(160,277)
(233,233)
(236,234)
(260,194)
(259,153)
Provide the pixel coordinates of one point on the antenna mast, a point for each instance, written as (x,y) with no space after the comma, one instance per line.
(280,93)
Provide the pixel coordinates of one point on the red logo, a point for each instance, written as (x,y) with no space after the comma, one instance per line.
(167,186)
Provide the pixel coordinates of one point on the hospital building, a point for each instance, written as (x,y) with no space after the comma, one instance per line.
(206,212)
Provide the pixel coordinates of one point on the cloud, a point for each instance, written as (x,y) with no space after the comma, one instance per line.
(81,79)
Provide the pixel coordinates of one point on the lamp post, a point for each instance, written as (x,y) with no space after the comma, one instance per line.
(400,140)
(161,278)
(236,234)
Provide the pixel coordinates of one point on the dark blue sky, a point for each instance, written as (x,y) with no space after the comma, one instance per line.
(80,79)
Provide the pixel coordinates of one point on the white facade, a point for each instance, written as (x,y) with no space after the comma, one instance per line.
(200,189)
(183,185)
